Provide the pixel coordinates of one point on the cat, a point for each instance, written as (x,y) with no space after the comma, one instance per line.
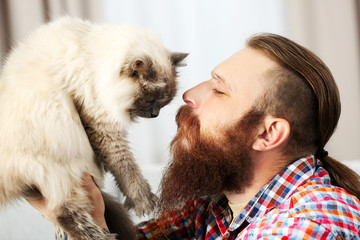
(67,97)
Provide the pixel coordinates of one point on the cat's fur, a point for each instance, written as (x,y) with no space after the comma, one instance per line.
(67,97)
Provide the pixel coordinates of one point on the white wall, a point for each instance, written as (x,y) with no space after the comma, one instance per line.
(329,28)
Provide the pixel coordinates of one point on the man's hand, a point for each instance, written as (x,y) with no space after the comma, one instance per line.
(95,198)
(42,206)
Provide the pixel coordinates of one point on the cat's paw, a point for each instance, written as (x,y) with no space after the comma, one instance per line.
(142,206)
(110,237)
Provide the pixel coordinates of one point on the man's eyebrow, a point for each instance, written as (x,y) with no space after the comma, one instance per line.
(220,78)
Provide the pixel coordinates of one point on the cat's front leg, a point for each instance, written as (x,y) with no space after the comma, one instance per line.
(118,159)
(130,180)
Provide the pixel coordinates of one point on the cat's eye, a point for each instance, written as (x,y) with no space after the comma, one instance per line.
(149,99)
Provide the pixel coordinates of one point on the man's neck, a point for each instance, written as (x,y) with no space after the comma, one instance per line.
(266,167)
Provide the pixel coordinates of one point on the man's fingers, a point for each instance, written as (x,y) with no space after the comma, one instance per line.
(86,178)
(88,182)
(42,206)
(37,203)
(96,199)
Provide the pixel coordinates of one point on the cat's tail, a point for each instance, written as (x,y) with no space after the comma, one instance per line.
(118,219)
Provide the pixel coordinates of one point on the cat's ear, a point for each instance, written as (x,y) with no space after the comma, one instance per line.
(137,66)
(177,58)
(141,64)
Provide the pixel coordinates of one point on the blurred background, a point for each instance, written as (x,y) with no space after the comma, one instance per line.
(210,31)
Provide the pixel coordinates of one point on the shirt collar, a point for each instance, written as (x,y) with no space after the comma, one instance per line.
(276,191)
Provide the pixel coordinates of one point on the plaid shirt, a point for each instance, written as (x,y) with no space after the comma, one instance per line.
(299,203)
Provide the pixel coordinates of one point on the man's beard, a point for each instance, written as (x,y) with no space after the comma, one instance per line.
(204,166)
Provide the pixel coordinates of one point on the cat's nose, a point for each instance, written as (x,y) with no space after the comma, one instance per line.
(155,112)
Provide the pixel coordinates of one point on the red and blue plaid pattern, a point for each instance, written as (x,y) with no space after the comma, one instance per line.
(299,203)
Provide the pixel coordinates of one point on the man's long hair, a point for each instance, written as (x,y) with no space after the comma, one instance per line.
(303,91)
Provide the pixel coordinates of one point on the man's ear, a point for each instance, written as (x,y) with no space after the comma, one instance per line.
(272,133)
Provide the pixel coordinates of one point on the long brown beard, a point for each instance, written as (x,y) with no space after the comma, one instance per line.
(203,166)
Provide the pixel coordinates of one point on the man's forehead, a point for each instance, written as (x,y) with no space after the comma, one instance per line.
(249,57)
(245,64)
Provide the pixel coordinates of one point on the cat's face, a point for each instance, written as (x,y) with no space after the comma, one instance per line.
(156,84)
(134,74)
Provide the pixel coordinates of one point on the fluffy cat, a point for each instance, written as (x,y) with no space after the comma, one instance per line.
(67,97)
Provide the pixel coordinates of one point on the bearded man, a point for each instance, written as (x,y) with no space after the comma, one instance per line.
(248,160)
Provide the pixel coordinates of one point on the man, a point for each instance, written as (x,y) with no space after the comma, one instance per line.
(248,158)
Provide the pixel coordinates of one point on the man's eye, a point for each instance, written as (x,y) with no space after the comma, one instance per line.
(216,91)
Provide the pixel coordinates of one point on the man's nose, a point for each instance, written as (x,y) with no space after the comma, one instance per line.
(188,99)
(193,96)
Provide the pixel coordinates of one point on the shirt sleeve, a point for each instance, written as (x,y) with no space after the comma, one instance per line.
(316,212)
(292,228)
(173,225)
